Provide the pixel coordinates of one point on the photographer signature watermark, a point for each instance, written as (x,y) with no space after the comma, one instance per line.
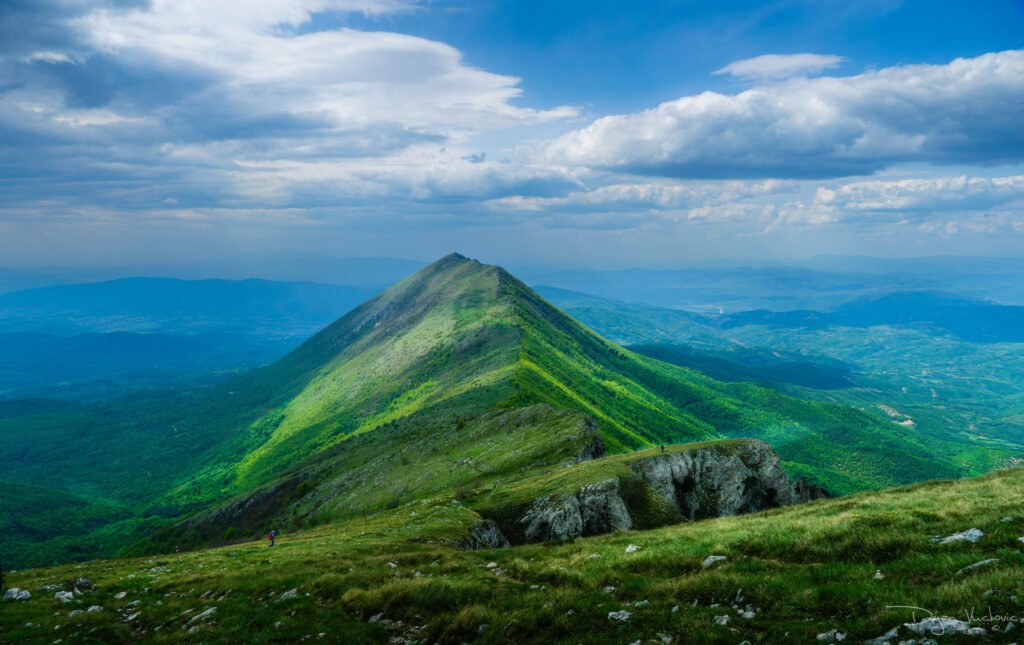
(935,624)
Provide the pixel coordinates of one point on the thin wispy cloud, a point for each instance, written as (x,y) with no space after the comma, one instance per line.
(779,66)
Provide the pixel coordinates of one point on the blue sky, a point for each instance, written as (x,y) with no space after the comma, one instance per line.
(164,134)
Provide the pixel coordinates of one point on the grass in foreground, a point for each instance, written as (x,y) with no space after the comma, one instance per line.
(801,571)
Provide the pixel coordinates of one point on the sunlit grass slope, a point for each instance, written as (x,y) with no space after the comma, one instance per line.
(856,564)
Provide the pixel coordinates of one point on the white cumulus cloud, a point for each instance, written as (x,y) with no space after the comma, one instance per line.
(967,111)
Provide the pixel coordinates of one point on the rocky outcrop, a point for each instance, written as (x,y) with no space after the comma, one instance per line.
(592,510)
(594,449)
(714,480)
(718,480)
(484,535)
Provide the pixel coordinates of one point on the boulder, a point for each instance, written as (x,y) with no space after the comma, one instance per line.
(17,593)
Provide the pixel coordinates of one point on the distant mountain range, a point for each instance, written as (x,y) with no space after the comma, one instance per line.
(973,320)
(164,305)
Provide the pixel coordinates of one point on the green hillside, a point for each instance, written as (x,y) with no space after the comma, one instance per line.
(397,400)
(859,565)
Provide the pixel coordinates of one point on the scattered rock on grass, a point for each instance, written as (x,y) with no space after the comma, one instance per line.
(94,609)
(970,535)
(203,615)
(291,594)
(632,548)
(886,638)
(712,560)
(16,593)
(64,596)
(621,616)
(832,636)
(977,565)
(84,584)
(722,620)
(938,626)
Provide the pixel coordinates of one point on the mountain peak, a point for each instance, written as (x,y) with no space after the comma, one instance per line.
(452,259)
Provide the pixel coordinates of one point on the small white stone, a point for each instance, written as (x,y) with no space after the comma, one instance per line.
(711,560)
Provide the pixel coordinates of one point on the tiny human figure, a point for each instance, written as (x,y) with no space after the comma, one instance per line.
(663,447)
(272,536)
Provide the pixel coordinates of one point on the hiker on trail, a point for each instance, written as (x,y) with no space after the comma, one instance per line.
(663,447)
(272,536)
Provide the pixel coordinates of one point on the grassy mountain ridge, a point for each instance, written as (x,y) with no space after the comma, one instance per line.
(535,354)
(458,355)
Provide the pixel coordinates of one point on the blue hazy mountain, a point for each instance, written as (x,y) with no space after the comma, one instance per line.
(970,319)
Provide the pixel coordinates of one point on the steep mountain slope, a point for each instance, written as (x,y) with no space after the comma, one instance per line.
(461,350)
(459,377)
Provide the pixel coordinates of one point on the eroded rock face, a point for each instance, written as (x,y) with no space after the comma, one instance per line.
(592,510)
(602,509)
(712,481)
(485,535)
(594,449)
